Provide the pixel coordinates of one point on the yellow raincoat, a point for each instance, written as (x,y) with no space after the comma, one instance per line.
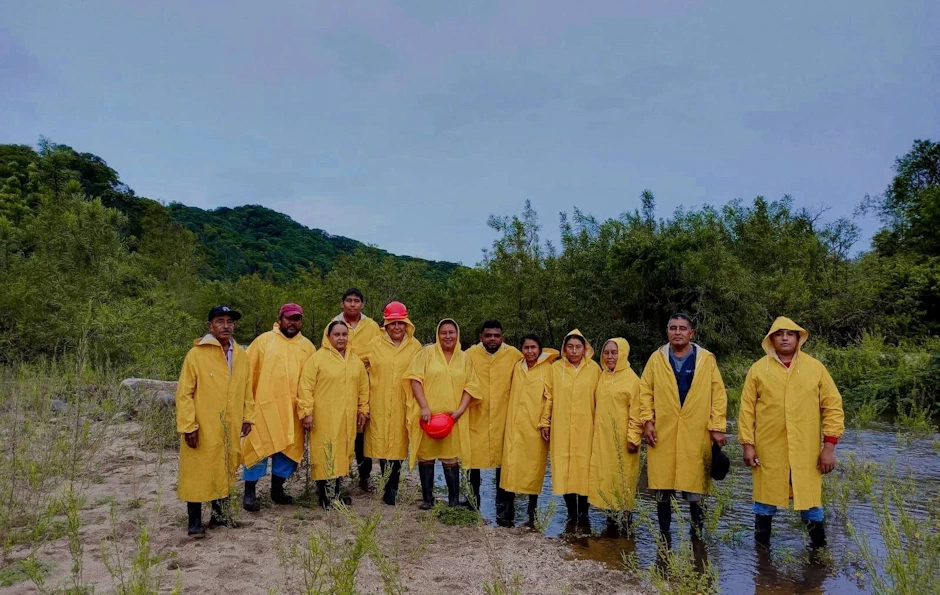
(487,416)
(682,455)
(573,422)
(359,337)
(444,384)
(216,402)
(530,410)
(614,471)
(782,410)
(276,365)
(386,433)
(333,388)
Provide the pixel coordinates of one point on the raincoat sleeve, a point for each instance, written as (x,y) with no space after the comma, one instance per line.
(545,420)
(646,393)
(256,361)
(830,405)
(415,369)
(634,425)
(308,383)
(185,405)
(746,415)
(363,390)
(471,385)
(248,411)
(718,420)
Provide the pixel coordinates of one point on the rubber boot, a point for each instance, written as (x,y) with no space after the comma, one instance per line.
(697,513)
(475,482)
(194,510)
(390,495)
(362,463)
(452,477)
(221,515)
(250,499)
(817,534)
(339,494)
(763,524)
(531,510)
(278,495)
(426,475)
(571,503)
(612,528)
(322,497)
(664,513)
(583,508)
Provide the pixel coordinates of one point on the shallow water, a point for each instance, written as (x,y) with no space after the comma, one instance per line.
(741,567)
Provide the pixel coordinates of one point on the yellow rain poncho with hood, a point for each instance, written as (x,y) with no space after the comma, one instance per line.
(530,409)
(487,416)
(573,421)
(444,384)
(682,455)
(359,337)
(276,366)
(215,401)
(614,471)
(386,434)
(785,413)
(333,389)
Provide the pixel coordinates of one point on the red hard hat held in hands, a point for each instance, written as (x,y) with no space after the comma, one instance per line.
(395,311)
(439,426)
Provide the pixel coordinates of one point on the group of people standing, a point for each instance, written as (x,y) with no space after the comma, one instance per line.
(366,392)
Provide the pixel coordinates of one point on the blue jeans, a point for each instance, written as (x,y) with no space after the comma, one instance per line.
(813,514)
(281,466)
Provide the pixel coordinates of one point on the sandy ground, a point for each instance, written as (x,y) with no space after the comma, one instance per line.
(140,486)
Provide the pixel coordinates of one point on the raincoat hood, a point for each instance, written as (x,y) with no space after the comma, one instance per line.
(548,355)
(588,350)
(437,340)
(623,352)
(208,339)
(781,323)
(409,330)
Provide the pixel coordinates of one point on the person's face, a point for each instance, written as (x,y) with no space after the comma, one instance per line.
(785,341)
(290,325)
(680,333)
(339,336)
(531,351)
(396,329)
(610,354)
(574,351)
(492,339)
(447,335)
(222,328)
(352,306)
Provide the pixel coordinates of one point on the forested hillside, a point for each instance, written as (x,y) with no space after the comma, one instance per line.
(89,267)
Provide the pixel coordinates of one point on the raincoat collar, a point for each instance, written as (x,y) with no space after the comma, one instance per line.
(546,357)
(362,318)
(502,348)
(588,350)
(277,331)
(699,351)
(208,339)
(409,332)
(623,352)
(329,347)
(782,322)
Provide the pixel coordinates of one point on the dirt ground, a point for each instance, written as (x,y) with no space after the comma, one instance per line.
(133,489)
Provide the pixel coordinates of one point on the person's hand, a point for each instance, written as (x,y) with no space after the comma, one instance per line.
(827,458)
(456,414)
(307,423)
(633,448)
(361,419)
(649,432)
(246,428)
(718,438)
(750,456)
(546,434)
(425,414)
(192,439)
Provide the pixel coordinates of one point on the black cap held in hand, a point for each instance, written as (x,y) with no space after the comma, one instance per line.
(721,464)
(223,311)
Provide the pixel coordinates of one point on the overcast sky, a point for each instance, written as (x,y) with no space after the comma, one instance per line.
(405,124)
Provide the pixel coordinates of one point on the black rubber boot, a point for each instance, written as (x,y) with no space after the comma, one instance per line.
(250,499)
(221,515)
(322,497)
(531,509)
(763,524)
(697,512)
(475,482)
(278,495)
(426,475)
(583,508)
(452,477)
(817,534)
(390,495)
(664,513)
(194,510)
(362,463)
(571,503)
(339,494)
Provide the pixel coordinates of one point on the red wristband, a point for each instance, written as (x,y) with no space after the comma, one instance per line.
(831,440)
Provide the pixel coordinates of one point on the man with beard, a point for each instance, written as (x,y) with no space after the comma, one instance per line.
(493,362)
(277,360)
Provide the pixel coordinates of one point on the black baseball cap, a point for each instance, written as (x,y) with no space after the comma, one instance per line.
(224,311)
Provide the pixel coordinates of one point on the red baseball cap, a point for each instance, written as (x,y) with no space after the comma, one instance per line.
(291,310)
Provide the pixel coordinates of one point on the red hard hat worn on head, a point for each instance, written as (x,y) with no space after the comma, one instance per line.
(395,311)
(439,426)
